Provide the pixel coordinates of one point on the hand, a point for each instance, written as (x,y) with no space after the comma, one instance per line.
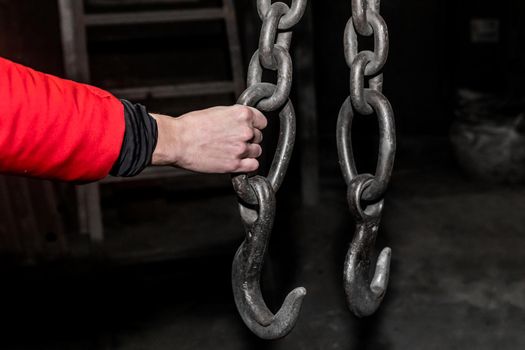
(215,140)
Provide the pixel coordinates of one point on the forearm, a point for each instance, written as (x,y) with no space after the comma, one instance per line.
(58,129)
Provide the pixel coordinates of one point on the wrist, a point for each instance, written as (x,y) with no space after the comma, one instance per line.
(166,151)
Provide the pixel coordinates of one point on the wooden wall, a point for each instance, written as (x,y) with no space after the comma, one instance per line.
(31,34)
(31,223)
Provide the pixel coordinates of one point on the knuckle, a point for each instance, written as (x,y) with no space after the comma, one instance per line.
(234,165)
(240,148)
(253,165)
(259,135)
(258,151)
(243,113)
(264,122)
(247,133)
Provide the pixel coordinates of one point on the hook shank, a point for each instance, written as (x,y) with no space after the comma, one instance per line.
(365,293)
(247,266)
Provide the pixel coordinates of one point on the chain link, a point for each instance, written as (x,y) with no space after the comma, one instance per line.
(273,54)
(367,66)
(292,16)
(360,14)
(366,191)
(284,78)
(257,193)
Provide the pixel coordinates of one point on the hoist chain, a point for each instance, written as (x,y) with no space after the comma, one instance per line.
(257,193)
(366,191)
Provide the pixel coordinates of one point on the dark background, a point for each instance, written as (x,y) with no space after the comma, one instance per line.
(161,280)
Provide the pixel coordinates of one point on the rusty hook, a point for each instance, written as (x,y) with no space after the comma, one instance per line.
(247,266)
(365,294)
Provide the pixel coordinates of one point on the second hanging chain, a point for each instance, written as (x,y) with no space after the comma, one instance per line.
(366,191)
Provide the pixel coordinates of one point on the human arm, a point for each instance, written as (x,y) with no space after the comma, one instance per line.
(53,128)
(57,129)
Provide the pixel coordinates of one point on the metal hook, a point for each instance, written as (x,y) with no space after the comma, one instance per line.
(247,266)
(364,295)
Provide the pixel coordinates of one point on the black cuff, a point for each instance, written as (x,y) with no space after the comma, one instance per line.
(140,140)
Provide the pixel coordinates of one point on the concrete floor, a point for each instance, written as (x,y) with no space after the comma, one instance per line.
(457,281)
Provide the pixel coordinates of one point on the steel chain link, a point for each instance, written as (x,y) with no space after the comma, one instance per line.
(257,193)
(367,65)
(366,191)
(273,54)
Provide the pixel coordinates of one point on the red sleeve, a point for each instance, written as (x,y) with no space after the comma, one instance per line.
(56,129)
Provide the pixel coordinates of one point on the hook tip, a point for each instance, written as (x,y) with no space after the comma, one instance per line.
(292,304)
(300,292)
(382,274)
(294,300)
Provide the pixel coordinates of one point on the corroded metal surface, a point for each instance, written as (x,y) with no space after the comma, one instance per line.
(366,191)
(257,193)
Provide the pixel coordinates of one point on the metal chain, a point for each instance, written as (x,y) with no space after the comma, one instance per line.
(366,191)
(257,193)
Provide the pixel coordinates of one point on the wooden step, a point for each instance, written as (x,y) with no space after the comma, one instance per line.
(152,173)
(173,91)
(138,2)
(123,18)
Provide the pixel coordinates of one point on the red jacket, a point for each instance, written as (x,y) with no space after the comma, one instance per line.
(56,129)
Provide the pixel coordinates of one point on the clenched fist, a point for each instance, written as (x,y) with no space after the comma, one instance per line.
(215,140)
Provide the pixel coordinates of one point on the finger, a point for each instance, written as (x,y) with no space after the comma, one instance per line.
(253,151)
(257,136)
(259,120)
(248,165)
